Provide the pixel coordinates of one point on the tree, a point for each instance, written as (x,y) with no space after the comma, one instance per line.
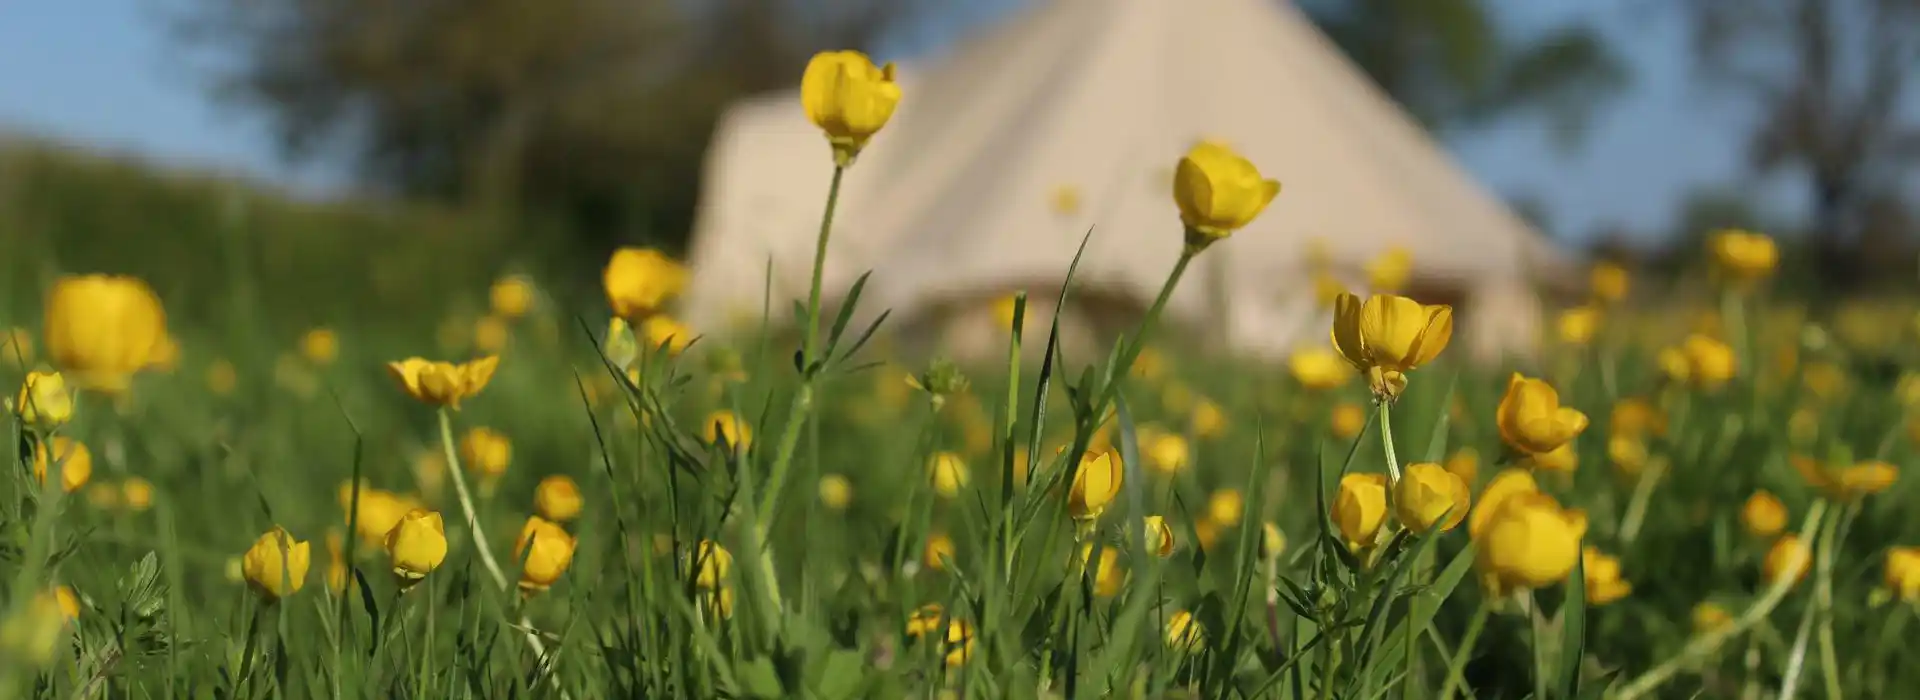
(1828,79)
(592,112)
(1450,64)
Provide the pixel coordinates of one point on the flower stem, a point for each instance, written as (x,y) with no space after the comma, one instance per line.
(1456,671)
(1386,440)
(1642,497)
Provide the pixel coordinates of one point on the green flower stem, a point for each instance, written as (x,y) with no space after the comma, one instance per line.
(1823,598)
(1642,497)
(1705,644)
(1456,671)
(1386,440)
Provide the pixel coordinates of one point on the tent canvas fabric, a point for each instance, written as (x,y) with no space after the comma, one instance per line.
(955,202)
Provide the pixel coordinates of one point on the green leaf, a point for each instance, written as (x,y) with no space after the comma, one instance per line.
(1573,631)
(840,673)
(759,679)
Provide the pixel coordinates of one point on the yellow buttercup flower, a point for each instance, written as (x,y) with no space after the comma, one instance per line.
(1184,632)
(137,494)
(1095,485)
(1387,336)
(1848,482)
(1577,326)
(102,329)
(1743,256)
(1465,463)
(74,460)
(491,334)
(719,604)
(1530,542)
(1562,459)
(1327,289)
(1628,454)
(727,426)
(939,552)
(1763,515)
(1208,420)
(849,98)
(639,281)
(545,550)
(836,492)
(1167,453)
(34,633)
(1065,200)
(68,602)
(712,564)
(416,546)
(558,499)
(1505,485)
(1636,417)
(925,620)
(949,473)
(276,566)
(1158,536)
(1218,192)
(1389,272)
(1903,573)
(165,356)
(1701,361)
(486,452)
(339,574)
(1609,282)
(1318,369)
(510,297)
(1150,365)
(1531,418)
(1004,308)
(1709,616)
(379,511)
(1108,575)
(1360,508)
(1788,558)
(1603,581)
(320,346)
(1429,498)
(443,383)
(1348,420)
(664,331)
(959,642)
(45,402)
(1225,506)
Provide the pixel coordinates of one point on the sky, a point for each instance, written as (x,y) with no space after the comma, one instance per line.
(107,74)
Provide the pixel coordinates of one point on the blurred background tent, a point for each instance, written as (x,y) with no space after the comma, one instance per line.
(1070,117)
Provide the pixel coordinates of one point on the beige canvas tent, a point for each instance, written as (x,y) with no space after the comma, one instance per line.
(959,201)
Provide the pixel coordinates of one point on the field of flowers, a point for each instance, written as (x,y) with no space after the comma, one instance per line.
(596,503)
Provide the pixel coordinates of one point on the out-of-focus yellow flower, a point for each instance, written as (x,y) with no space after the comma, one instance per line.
(664,331)
(379,511)
(1628,454)
(1609,282)
(137,494)
(1387,336)
(1206,533)
(545,550)
(1603,581)
(1108,574)
(1273,542)
(1428,498)
(320,346)
(1562,459)
(1360,508)
(102,329)
(557,498)
(849,98)
(486,452)
(1709,616)
(1824,380)
(166,355)
(1327,289)
(925,620)
(1348,420)
(959,642)
(16,347)
(1318,369)
(1465,463)
(276,566)
(719,604)
(73,459)
(1636,417)
(1846,483)
(1530,542)
(1150,365)
(1788,558)
(1903,573)
(939,552)
(1700,361)
(639,281)
(510,297)
(1209,421)
(1095,485)
(949,473)
(1531,418)
(1184,632)
(443,383)
(34,633)
(416,546)
(1763,515)
(1065,200)
(339,574)
(1505,485)
(1158,536)
(727,426)
(836,492)
(222,378)
(1177,398)
(45,402)
(1003,308)
(1743,256)
(67,601)
(490,334)
(1167,453)
(711,563)
(1218,192)
(1578,325)
(1225,506)
(1389,272)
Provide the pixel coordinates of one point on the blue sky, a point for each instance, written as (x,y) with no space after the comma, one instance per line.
(105,73)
